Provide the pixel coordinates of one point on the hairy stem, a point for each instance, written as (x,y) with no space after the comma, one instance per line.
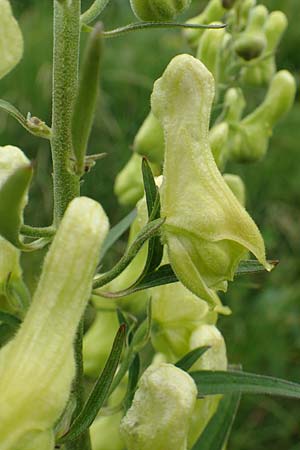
(94,11)
(65,80)
(66,183)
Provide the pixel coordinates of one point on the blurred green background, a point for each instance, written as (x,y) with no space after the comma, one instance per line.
(264,331)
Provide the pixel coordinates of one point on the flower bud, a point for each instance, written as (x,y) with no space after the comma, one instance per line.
(105,434)
(252,42)
(213,359)
(264,70)
(160,413)
(246,8)
(97,342)
(234,105)
(176,312)
(260,123)
(228,4)
(206,230)
(218,137)
(133,302)
(11,159)
(236,185)
(11,40)
(149,140)
(209,49)
(158,10)
(9,263)
(213,12)
(37,367)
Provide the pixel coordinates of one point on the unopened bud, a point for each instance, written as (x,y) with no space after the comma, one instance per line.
(160,413)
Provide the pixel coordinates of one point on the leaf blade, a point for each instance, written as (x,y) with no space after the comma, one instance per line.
(217,431)
(229,382)
(100,391)
(190,358)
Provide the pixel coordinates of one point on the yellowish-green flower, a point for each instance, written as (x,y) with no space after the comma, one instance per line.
(37,367)
(9,263)
(260,123)
(236,184)
(160,413)
(213,359)
(98,341)
(149,140)
(176,312)
(11,159)
(207,231)
(11,40)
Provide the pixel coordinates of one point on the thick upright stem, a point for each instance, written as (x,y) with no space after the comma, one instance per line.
(65,80)
(66,184)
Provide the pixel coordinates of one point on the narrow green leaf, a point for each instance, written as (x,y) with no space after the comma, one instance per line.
(10,320)
(12,195)
(155,247)
(190,358)
(6,333)
(133,378)
(165,275)
(137,343)
(219,382)
(216,433)
(149,186)
(250,266)
(100,391)
(85,104)
(150,230)
(117,231)
(137,26)
(33,125)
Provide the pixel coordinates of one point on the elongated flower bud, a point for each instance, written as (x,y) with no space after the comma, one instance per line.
(213,359)
(11,159)
(236,184)
(160,413)
(209,50)
(37,367)
(149,140)
(260,123)
(11,40)
(98,341)
(158,10)
(207,231)
(252,42)
(176,312)
(264,70)
(213,12)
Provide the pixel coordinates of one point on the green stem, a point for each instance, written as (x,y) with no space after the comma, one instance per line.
(37,232)
(94,11)
(66,184)
(137,26)
(65,81)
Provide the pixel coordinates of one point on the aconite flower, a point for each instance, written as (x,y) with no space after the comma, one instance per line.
(160,413)
(207,230)
(11,40)
(37,366)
